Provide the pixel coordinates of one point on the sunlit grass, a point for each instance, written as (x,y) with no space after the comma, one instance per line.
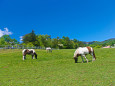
(56,69)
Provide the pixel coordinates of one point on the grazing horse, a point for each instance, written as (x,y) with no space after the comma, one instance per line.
(82,51)
(48,49)
(29,52)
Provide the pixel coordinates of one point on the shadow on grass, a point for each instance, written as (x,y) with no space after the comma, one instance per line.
(85,61)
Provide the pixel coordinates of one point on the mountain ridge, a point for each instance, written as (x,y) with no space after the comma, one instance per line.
(102,42)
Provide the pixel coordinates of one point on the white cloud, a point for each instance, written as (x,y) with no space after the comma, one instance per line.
(1,33)
(21,38)
(5,32)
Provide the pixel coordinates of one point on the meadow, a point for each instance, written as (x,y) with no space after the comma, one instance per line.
(56,69)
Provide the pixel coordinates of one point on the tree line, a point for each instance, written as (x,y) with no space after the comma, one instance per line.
(7,40)
(31,40)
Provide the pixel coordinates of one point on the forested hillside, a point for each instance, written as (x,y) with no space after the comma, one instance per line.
(32,39)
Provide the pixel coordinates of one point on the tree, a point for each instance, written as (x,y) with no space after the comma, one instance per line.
(68,44)
(2,41)
(30,44)
(7,40)
(31,37)
(44,40)
(55,43)
(81,44)
(76,44)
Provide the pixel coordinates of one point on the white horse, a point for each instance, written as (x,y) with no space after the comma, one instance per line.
(82,51)
(48,49)
(29,52)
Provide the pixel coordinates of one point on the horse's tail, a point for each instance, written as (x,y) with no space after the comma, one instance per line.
(94,54)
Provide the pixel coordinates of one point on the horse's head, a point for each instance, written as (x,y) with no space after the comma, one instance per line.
(76,56)
(25,51)
(76,59)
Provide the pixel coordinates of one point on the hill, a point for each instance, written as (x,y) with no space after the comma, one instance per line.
(109,40)
(56,68)
(105,42)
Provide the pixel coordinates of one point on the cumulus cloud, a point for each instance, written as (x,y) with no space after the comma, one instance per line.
(21,38)
(1,33)
(5,32)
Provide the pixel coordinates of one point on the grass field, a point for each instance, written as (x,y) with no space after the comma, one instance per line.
(56,69)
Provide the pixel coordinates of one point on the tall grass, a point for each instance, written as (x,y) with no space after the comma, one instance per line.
(56,69)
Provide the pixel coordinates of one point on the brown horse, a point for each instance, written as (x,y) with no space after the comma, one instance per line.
(29,52)
(82,51)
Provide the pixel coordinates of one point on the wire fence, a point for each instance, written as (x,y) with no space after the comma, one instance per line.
(20,47)
(28,47)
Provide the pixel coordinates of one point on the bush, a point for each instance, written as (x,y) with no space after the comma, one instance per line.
(98,46)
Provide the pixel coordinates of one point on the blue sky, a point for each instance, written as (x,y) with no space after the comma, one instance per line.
(85,20)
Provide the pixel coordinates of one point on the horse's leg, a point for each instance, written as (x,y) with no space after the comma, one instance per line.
(24,57)
(35,55)
(51,51)
(82,59)
(32,56)
(85,58)
(93,56)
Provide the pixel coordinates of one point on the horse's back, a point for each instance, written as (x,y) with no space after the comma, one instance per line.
(31,50)
(83,50)
(48,48)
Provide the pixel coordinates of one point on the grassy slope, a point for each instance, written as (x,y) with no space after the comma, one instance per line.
(56,69)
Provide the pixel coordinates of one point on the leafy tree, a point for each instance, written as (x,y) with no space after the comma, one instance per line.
(66,42)
(30,44)
(7,40)
(55,43)
(76,44)
(44,40)
(81,44)
(98,46)
(31,37)
(41,40)
(2,41)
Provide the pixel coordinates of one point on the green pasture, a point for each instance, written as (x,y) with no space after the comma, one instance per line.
(56,69)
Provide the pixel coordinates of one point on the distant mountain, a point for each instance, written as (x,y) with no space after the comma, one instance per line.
(93,42)
(108,41)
